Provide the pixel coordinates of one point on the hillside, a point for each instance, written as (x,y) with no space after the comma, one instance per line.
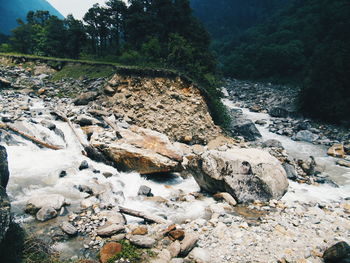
(11,10)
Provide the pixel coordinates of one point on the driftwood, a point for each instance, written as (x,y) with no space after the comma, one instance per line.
(29,137)
(144,215)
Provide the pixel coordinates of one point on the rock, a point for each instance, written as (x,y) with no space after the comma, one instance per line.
(4,170)
(177,260)
(85,98)
(41,91)
(84,120)
(115,218)
(261,122)
(46,213)
(141,150)
(142,241)
(344,163)
(188,243)
(84,165)
(227,197)
(4,83)
(337,150)
(109,250)
(339,253)
(279,112)
(200,255)
(62,174)
(141,230)
(347,149)
(145,190)
(246,174)
(35,203)
(305,136)
(290,171)
(174,248)
(177,234)
(69,229)
(163,256)
(109,230)
(5,213)
(272,143)
(245,128)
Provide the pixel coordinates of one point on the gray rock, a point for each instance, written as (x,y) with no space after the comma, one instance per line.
(69,229)
(35,203)
(84,120)
(142,241)
(145,190)
(339,253)
(200,255)
(85,98)
(245,128)
(4,171)
(305,136)
(290,171)
(188,243)
(5,215)
(246,174)
(46,213)
(48,124)
(175,248)
(280,112)
(84,165)
(110,230)
(272,143)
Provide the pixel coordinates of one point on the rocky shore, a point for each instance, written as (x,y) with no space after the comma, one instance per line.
(135,165)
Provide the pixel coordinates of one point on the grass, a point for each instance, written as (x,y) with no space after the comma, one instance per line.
(83,71)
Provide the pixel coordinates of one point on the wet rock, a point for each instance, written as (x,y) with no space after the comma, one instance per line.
(46,213)
(141,150)
(261,122)
(305,136)
(337,150)
(4,171)
(142,241)
(84,120)
(188,243)
(47,124)
(109,250)
(110,230)
(227,197)
(85,98)
(272,143)
(339,253)
(62,174)
(290,171)
(35,203)
(69,229)
(84,165)
(245,128)
(246,174)
(145,190)
(280,112)
(5,213)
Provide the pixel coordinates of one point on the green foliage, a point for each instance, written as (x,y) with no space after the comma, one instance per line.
(77,71)
(129,252)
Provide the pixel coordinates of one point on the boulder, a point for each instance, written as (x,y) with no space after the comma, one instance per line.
(188,243)
(85,98)
(290,171)
(272,143)
(141,150)
(109,250)
(109,230)
(200,255)
(35,203)
(337,150)
(145,190)
(279,112)
(69,229)
(246,174)
(142,241)
(46,213)
(4,170)
(245,128)
(339,253)
(305,136)
(5,216)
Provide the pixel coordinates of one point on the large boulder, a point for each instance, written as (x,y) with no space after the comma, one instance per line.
(246,174)
(137,149)
(244,127)
(4,171)
(305,136)
(5,216)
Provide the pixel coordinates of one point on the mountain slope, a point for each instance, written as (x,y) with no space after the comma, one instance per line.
(11,10)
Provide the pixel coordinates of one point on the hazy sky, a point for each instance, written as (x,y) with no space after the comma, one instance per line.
(76,7)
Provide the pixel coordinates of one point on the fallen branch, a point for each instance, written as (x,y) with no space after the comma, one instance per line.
(144,215)
(29,137)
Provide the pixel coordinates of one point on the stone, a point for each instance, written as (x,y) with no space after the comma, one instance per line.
(110,230)
(115,218)
(163,256)
(4,170)
(5,213)
(41,91)
(290,171)
(177,234)
(145,190)
(174,248)
(85,98)
(140,230)
(177,260)
(109,250)
(279,112)
(272,143)
(188,243)
(84,120)
(344,163)
(141,150)
(46,213)
(200,255)
(34,204)
(337,150)
(69,229)
(84,165)
(245,128)
(338,253)
(227,197)
(261,122)
(246,174)
(305,136)
(142,241)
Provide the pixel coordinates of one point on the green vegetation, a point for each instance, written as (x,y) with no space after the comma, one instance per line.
(78,71)
(129,252)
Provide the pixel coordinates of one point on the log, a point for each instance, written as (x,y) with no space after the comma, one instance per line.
(144,215)
(29,137)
